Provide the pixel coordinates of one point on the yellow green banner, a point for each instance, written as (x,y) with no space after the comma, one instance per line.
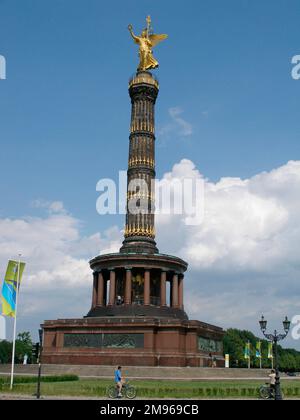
(11,284)
(247,351)
(270,350)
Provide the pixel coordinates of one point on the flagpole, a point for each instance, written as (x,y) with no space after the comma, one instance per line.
(260,363)
(15,327)
(270,354)
(249,358)
(249,355)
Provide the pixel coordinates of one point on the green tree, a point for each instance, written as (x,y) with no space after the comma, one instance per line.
(5,351)
(23,346)
(234,345)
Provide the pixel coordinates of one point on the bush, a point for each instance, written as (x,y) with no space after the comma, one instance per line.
(208,392)
(221,392)
(201,392)
(215,392)
(98,389)
(288,392)
(243,392)
(34,379)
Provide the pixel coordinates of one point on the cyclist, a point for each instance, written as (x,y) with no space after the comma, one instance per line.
(119,380)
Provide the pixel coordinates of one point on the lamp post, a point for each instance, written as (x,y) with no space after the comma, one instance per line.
(275,338)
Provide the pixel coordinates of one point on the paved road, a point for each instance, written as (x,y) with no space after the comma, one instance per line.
(28,397)
(18,397)
(155,378)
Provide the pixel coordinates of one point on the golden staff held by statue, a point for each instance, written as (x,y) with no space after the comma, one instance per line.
(146,42)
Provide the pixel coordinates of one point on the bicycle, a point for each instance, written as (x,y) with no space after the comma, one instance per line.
(128,391)
(266,392)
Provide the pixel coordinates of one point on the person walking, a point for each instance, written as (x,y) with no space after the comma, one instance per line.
(272,377)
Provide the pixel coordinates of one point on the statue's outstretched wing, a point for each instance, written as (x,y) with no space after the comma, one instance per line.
(156,39)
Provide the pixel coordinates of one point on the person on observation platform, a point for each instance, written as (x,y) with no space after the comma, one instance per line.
(119,300)
(214,365)
(118,380)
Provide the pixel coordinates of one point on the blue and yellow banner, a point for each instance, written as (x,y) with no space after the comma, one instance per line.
(10,286)
(247,351)
(258,350)
(270,350)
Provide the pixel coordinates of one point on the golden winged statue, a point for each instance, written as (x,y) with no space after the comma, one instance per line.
(146,42)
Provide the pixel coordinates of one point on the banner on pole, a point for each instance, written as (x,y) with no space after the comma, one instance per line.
(270,350)
(10,287)
(227,361)
(258,350)
(247,351)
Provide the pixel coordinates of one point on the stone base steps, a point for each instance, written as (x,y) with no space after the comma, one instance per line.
(167,373)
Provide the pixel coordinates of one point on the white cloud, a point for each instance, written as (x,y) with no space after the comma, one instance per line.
(2,328)
(244,259)
(186,128)
(248,224)
(177,125)
(52,207)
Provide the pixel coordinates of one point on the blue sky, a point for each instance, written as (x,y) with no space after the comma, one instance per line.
(65,110)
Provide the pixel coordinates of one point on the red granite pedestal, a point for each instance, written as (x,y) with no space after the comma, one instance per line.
(142,342)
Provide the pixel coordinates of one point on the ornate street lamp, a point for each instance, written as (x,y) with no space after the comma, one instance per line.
(275,338)
(263,324)
(286,325)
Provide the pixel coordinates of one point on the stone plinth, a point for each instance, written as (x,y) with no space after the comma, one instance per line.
(131,342)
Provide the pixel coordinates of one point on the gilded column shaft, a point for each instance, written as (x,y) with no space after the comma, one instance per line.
(139,229)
